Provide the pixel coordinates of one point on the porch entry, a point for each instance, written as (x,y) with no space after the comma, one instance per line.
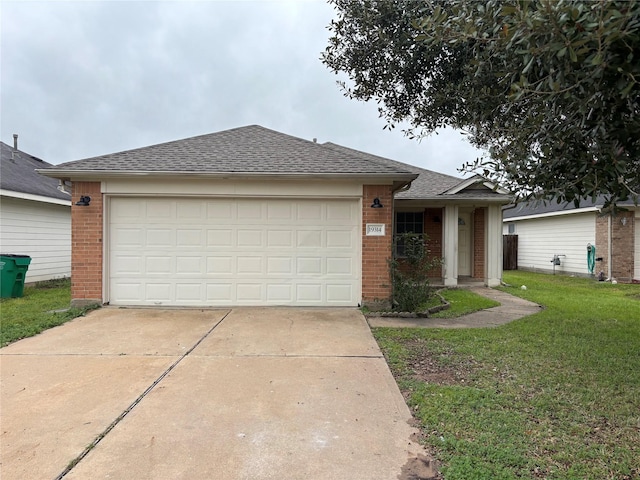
(464,244)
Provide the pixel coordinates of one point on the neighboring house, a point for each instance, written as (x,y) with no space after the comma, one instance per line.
(35,216)
(250,216)
(563,230)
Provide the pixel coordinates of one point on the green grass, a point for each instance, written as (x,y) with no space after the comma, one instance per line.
(555,395)
(32,313)
(462,302)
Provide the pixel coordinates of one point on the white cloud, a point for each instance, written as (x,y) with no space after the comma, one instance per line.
(88,78)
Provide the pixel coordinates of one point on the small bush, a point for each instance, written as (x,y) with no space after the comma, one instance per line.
(410,273)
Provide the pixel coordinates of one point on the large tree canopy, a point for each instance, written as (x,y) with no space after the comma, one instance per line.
(550,88)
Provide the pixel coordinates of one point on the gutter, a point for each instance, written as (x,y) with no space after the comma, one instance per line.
(106,174)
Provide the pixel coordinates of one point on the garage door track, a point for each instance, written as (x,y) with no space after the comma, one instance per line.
(248,393)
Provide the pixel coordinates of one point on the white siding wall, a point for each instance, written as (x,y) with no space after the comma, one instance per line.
(539,239)
(40,230)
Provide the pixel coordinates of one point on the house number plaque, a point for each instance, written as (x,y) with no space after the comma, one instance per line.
(375,229)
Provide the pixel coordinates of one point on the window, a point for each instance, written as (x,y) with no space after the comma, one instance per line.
(408,222)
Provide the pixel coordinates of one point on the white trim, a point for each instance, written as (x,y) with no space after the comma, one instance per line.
(551,214)
(472,181)
(35,198)
(93,175)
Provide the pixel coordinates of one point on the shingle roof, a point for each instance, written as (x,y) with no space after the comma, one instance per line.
(245,150)
(19,174)
(541,207)
(429,185)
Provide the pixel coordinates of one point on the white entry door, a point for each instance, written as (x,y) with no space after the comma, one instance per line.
(464,244)
(237,251)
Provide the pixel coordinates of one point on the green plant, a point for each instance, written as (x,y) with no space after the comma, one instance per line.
(42,306)
(553,395)
(410,273)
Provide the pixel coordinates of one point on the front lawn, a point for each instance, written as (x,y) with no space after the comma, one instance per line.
(35,310)
(555,395)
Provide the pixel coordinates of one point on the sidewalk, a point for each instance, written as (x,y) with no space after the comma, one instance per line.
(511,308)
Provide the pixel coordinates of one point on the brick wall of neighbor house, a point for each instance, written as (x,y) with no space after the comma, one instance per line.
(433,229)
(479,216)
(86,245)
(376,251)
(622,245)
(602,247)
(622,261)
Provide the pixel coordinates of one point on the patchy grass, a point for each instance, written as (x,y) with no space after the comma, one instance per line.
(555,395)
(34,311)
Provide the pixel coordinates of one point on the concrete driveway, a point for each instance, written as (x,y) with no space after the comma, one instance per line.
(248,393)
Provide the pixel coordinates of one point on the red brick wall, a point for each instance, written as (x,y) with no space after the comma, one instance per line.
(376,251)
(602,246)
(622,246)
(433,228)
(86,244)
(479,216)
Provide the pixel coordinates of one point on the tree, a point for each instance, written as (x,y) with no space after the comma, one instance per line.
(550,88)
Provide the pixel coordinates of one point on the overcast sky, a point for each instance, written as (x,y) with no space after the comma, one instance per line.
(86,78)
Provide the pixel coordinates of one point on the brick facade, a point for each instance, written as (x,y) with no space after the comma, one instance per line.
(433,229)
(86,240)
(376,251)
(479,220)
(622,245)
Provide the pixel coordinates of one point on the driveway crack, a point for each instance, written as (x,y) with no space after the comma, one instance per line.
(120,417)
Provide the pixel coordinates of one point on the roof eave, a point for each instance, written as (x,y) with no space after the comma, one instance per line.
(97,175)
(441,199)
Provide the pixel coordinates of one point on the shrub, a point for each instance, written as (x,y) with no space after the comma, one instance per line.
(409,270)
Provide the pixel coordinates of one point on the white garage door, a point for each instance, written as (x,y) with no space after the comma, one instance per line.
(220,252)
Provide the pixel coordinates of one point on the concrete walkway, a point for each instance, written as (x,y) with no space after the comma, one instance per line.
(250,393)
(511,308)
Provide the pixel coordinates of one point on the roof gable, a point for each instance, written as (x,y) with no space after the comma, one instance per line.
(432,185)
(19,174)
(246,150)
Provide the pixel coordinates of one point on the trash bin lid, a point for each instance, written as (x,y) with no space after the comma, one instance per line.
(13,255)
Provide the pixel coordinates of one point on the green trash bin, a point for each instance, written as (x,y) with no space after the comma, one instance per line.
(13,270)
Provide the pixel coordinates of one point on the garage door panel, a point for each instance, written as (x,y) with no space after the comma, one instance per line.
(220,265)
(279,266)
(159,265)
(133,237)
(190,265)
(339,293)
(159,238)
(205,252)
(279,238)
(309,238)
(249,238)
(189,238)
(220,238)
(339,266)
(159,293)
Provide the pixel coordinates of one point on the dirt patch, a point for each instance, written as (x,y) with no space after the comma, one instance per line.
(420,468)
(429,367)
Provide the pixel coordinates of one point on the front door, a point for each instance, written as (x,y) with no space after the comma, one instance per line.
(464,244)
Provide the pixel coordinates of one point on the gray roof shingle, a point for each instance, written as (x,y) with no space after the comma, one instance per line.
(245,150)
(19,174)
(541,207)
(429,185)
